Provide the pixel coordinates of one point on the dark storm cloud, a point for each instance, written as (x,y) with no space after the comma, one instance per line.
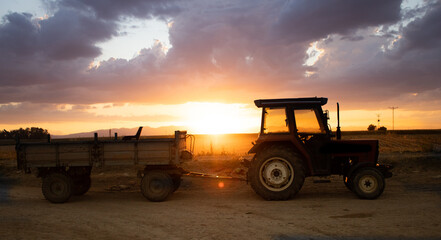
(423,33)
(413,66)
(400,66)
(18,35)
(64,36)
(233,38)
(69,35)
(115,9)
(306,20)
(399,74)
(46,60)
(32,49)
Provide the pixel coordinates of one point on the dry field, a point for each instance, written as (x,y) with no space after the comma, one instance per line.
(114,208)
(399,141)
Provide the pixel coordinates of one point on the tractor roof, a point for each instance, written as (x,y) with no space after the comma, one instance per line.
(282,102)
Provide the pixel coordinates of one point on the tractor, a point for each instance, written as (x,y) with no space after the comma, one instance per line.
(296,142)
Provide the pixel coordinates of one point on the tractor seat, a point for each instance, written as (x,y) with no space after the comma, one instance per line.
(138,134)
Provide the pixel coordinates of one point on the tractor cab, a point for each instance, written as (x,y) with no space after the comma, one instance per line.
(298,121)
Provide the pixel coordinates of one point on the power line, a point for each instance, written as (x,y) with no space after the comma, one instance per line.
(393,117)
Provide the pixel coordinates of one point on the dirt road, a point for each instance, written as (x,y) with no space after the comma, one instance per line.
(410,208)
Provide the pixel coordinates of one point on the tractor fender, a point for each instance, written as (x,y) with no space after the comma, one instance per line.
(384,169)
(357,166)
(261,146)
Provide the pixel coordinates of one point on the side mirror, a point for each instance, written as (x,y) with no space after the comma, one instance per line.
(338,122)
(326,114)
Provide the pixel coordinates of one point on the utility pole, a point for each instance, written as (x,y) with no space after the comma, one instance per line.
(393,117)
(378,117)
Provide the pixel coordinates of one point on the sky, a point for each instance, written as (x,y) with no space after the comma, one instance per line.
(76,66)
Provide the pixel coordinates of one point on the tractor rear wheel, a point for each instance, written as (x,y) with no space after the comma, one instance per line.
(277,173)
(368,183)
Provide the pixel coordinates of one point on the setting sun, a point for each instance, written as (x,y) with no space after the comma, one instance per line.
(220,118)
(196,117)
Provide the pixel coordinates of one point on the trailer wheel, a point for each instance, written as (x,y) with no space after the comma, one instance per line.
(277,173)
(57,187)
(156,186)
(81,185)
(368,183)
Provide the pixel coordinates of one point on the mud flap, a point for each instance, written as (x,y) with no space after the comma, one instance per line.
(385,170)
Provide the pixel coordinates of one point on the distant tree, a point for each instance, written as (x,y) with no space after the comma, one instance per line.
(382,129)
(5,134)
(38,133)
(372,127)
(28,133)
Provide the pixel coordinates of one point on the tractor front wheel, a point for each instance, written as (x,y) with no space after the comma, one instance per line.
(368,183)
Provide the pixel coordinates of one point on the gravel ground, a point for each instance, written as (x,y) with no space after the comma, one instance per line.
(114,208)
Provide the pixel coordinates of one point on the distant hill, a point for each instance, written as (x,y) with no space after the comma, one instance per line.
(146,131)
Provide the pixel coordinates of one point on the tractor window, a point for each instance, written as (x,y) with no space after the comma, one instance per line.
(306,121)
(275,121)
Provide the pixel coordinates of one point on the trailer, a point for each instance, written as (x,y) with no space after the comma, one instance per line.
(65,166)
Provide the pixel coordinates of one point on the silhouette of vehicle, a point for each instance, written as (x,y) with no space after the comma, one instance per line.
(295,142)
(65,165)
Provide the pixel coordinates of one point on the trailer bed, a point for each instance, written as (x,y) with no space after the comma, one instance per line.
(149,151)
(65,166)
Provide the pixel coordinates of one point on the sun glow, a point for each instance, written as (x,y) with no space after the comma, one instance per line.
(196,117)
(220,118)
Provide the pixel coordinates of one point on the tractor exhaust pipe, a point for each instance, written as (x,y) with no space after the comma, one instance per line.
(338,122)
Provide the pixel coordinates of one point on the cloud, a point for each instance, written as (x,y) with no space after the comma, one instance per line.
(368,78)
(46,60)
(423,33)
(18,35)
(70,35)
(115,9)
(47,54)
(65,36)
(305,20)
(29,113)
(225,51)
(231,46)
